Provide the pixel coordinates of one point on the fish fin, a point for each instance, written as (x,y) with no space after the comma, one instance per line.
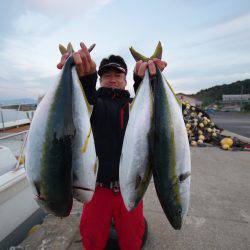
(184,176)
(158,51)
(62,49)
(70,49)
(86,141)
(138,181)
(95,167)
(137,56)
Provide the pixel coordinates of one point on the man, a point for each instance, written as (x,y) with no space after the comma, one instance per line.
(109,120)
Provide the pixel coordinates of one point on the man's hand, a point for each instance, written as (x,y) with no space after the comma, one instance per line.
(84,64)
(140,67)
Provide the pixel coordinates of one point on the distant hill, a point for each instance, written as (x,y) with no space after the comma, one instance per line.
(18,101)
(215,93)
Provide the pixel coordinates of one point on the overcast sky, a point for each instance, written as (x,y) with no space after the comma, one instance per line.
(204,42)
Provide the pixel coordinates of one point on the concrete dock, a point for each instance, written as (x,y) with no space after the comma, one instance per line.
(218,218)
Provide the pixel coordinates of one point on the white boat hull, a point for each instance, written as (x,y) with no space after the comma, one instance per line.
(16,201)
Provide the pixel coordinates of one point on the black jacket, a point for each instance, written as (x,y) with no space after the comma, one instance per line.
(108,120)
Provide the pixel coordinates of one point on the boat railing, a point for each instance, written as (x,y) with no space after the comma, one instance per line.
(4,125)
(13,135)
(21,151)
(1,111)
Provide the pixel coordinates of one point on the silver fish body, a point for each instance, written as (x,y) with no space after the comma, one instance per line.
(51,145)
(171,153)
(135,167)
(85,161)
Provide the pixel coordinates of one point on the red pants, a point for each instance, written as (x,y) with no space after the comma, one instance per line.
(96,221)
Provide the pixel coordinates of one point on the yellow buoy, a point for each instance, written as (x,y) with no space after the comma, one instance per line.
(209,130)
(227,141)
(201,137)
(225,146)
(200,141)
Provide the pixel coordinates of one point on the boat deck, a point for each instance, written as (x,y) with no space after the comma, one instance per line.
(14,129)
(219,213)
(14,143)
(14,124)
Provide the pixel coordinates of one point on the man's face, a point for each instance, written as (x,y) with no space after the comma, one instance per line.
(113,79)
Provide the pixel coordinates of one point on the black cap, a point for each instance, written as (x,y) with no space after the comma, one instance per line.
(112,62)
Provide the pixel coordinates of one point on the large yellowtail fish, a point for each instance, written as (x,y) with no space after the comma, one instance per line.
(170,152)
(60,150)
(135,166)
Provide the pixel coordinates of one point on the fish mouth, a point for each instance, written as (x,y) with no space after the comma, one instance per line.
(130,206)
(83,188)
(175,218)
(40,198)
(54,208)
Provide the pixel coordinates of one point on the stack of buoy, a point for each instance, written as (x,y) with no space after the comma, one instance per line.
(201,129)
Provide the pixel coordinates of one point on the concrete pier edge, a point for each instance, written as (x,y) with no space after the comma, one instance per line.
(56,233)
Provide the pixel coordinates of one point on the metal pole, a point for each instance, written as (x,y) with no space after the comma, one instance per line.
(21,151)
(19,107)
(241,97)
(2,117)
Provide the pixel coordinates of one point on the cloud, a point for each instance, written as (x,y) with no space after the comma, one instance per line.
(231,28)
(25,87)
(197,56)
(29,51)
(64,4)
(192,85)
(65,8)
(34,23)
